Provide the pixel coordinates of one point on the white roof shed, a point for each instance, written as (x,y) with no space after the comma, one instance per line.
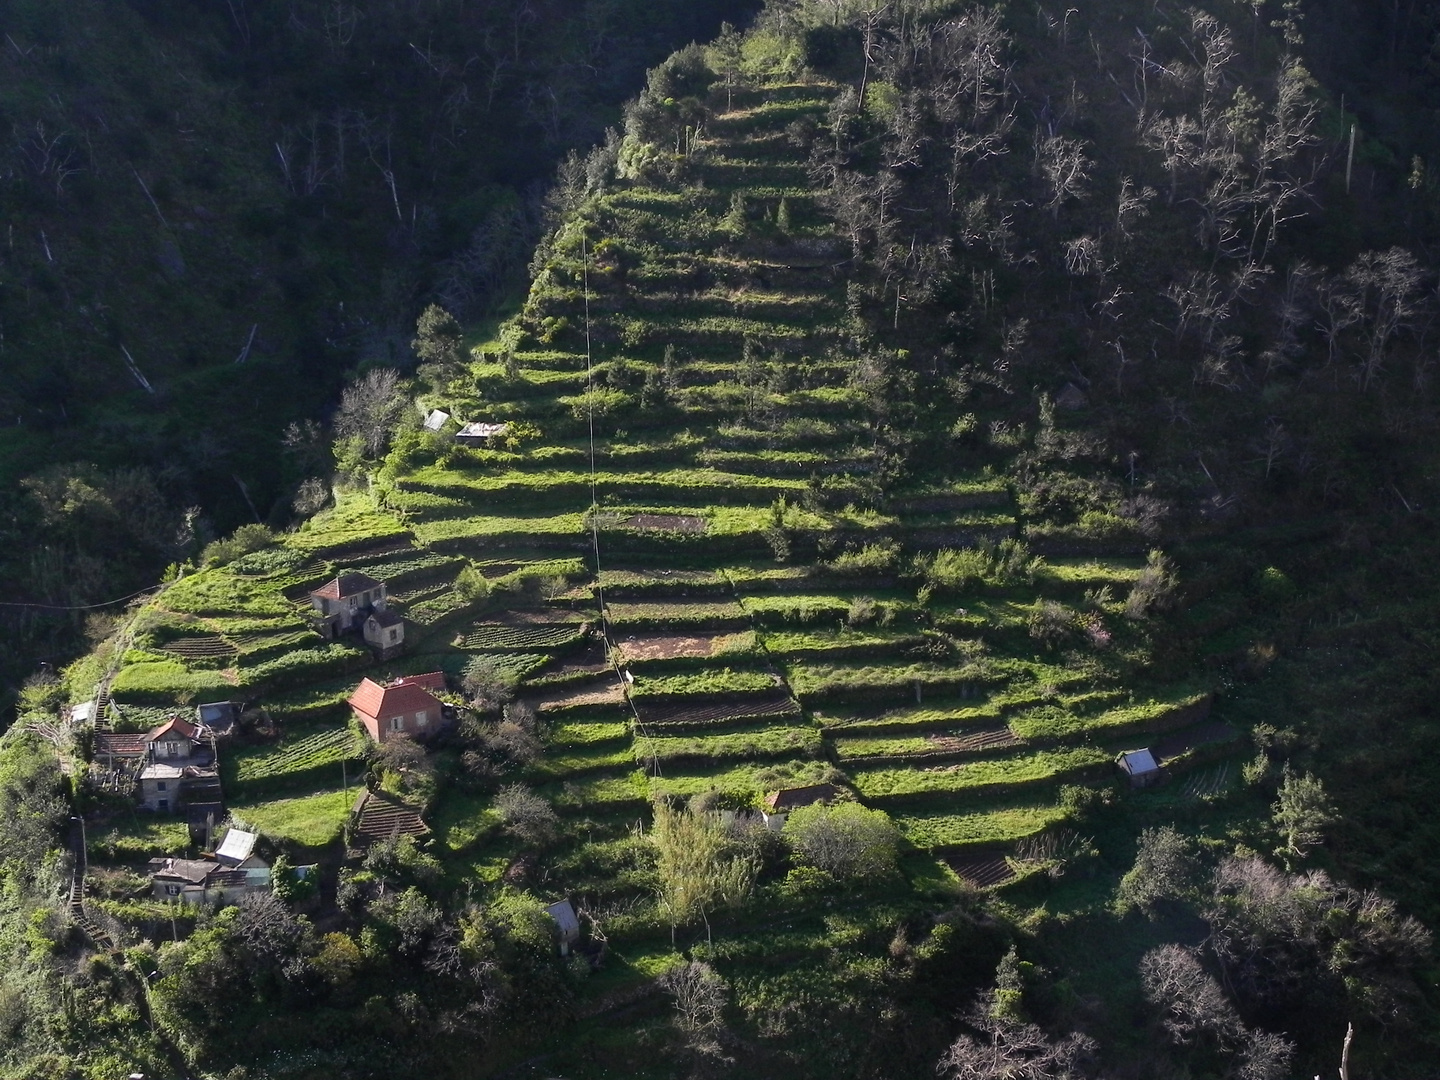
(1140,766)
(237,846)
(564,915)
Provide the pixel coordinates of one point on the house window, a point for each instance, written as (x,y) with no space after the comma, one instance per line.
(172,890)
(164,805)
(397,723)
(394,635)
(422,718)
(160,786)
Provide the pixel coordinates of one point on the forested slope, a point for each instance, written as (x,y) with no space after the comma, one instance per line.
(241,202)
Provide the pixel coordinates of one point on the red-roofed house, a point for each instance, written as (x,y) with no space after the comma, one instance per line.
(344,604)
(404,707)
(176,739)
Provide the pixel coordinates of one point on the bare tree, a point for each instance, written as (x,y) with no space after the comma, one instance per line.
(527,815)
(1003,1050)
(370,407)
(1387,290)
(1065,167)
(699,994)
(1191,1002)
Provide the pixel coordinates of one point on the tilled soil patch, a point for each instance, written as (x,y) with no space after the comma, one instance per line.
(991,738)
(669,646)
(718,712)
(682,523)
(983,868)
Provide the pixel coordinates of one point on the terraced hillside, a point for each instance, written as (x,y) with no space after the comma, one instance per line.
(732,560)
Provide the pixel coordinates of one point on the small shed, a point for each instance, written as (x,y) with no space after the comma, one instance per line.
(480,434)
(218,716)
(1141,767)
(237,852)
(778,804)
(436,419)
(565,918)
(81,714)
(384,632)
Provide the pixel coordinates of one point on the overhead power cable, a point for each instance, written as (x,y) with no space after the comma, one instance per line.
(595,504)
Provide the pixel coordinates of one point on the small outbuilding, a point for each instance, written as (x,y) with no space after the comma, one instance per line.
(778,804)
(436,419)
(568,923)
(237,852)
(480,434)
(82,714)
(384,632)
(219,716)
(1141,767)
(403,707)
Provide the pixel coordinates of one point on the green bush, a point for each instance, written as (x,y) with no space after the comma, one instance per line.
(846,840)
(245,539)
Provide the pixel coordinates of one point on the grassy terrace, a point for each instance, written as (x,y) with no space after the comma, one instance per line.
(730,500)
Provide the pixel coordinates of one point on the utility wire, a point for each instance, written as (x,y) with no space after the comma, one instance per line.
(76,607)
(595,505)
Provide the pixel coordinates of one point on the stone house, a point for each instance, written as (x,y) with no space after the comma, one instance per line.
(384,632)
(344,604)
(197,881)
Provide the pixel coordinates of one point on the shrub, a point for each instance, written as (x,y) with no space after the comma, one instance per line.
(698,866)
(245,539)
(863,611)
(1154,589)
(488,683)
(1051,622)
(1007,563)
(471,586)
(1165,869)
(877,558)
(847,840)
(529,817)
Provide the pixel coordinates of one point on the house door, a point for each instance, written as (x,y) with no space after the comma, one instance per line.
(164,805)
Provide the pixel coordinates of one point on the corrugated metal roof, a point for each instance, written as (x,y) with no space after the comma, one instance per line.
(236,847)
(1138,762)
(193,871)
(482,431)
(113,744)
(436,420)
(564,915)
